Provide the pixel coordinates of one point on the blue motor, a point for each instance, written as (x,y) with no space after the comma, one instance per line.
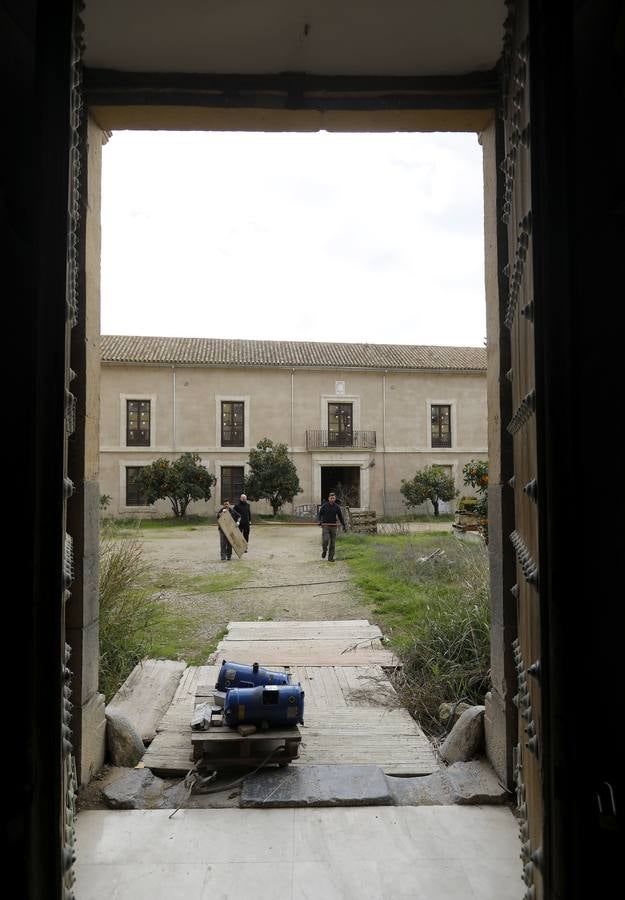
(234,674)
(268,706)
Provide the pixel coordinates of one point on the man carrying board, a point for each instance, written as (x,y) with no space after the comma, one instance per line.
(229,535)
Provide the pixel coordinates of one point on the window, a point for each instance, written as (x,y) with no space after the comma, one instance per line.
(232,482)
(134,497)
(137,423)
(340,425)
(232,424)
(441,426)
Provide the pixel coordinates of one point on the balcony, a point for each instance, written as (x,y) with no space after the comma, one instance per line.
(344,440)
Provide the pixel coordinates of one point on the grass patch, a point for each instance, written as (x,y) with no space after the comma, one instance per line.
(193,584)
(151,527)
(443,517)
(178,637)
(435,612)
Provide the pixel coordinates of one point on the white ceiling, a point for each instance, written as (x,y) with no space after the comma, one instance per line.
(323,37)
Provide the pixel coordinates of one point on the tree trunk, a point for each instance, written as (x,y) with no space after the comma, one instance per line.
(435,505)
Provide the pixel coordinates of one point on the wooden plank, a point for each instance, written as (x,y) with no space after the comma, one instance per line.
(231,531)
(300,676)
(147,693)
(361,719)
(303,653)
(287,624)
(299,632)
(227,735)
(367,686)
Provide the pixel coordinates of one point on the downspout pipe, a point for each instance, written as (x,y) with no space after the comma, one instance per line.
(384,440)
(173,408)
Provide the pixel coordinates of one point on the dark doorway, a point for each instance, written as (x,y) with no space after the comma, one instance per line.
(344,481)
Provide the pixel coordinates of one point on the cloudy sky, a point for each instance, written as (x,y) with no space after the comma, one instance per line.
(324,237)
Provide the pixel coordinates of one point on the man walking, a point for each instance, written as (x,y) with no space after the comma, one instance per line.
(244,510)
(330,515)
(225,546)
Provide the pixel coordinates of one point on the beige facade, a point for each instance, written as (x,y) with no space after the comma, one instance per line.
(389,415)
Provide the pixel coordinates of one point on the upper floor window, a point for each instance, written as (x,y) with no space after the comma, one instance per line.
(134,497)
(441,425)
(340,424)
(137,423)
(232,423)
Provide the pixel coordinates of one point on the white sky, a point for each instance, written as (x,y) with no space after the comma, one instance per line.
(372,238)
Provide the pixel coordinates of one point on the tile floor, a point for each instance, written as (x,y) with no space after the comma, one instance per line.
(354,853)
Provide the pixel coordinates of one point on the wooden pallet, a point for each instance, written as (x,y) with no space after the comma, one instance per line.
(364,522)
(223,747)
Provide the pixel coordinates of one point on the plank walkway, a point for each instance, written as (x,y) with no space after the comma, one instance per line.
(333,643)
(352,714)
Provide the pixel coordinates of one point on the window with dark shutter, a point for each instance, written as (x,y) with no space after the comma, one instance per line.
(441,426)
(134,496)
(232,423)
(137,423)
(340,424)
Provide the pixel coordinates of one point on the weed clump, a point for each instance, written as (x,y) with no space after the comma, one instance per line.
(128,615)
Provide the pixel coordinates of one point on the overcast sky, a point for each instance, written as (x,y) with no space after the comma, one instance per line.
(372,238)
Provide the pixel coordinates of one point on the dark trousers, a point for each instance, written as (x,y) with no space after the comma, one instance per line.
(225,546)
(244,528)
(328,539)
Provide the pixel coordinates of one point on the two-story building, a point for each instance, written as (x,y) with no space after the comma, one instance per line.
(360,417)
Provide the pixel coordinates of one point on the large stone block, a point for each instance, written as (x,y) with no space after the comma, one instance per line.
(124,745)
(466,739)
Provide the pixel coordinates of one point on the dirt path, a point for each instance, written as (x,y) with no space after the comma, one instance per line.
(281,577)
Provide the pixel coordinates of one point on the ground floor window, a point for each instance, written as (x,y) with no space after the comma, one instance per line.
(232,482)
(134,497)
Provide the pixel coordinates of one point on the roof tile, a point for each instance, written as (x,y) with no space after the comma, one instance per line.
(287,354)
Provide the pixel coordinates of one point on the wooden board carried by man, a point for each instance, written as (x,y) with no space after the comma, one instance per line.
(231,531)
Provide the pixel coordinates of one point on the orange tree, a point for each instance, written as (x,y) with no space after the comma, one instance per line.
(475,474)
(181,481)
(431,483)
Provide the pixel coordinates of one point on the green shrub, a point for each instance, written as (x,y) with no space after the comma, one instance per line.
(127,614)
(430,596)
(447,656)
(467,504)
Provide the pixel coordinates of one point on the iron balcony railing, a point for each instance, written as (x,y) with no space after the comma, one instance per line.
(346,440)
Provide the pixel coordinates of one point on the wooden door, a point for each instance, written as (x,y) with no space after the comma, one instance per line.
(516,212)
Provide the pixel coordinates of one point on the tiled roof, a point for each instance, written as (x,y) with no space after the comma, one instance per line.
(287,354)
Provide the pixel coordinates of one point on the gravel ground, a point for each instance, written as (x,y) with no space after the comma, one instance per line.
(282,576)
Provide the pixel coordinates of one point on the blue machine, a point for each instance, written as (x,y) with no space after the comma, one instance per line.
(234,674)
(266,706)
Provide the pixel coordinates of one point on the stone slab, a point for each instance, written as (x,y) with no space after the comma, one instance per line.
(147,693)
(317,786)
(473,783)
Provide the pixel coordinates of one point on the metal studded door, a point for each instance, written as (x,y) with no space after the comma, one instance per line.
(516,212)
(70,784)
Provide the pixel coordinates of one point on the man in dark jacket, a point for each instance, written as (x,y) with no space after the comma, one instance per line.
(244,510)
(329,517)
(224,544)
